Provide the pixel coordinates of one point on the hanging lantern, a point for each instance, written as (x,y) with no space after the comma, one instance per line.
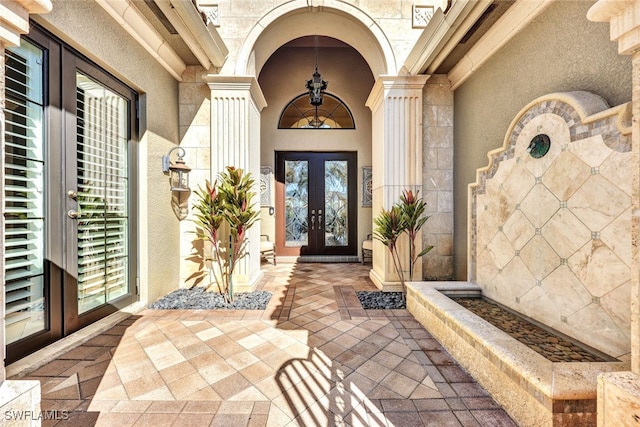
(178,171)
(316,86)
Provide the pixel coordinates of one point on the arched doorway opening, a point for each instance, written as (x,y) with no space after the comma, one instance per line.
(318,210)
(357,49)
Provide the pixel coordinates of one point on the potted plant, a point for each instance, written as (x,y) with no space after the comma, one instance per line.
(224,212)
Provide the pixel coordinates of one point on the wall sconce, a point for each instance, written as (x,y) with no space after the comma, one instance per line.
(179,182)
(178,171)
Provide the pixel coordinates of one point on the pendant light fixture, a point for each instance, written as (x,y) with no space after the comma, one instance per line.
(316,86)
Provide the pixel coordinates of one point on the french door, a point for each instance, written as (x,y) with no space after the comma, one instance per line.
(69,252)
(316,203)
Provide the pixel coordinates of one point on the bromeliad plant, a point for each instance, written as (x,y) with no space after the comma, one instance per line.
(388,229)
(412,212)
(408,217)
(224,212)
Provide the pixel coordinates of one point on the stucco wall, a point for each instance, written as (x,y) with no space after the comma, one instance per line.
(90,30)
(283,78)
(559,51)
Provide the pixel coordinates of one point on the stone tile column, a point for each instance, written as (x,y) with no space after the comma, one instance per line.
(396,105)
(236,104)
(18,396)
(437,176)
(619,393)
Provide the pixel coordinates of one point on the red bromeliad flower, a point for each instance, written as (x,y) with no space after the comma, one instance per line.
(212,190)
(409,197)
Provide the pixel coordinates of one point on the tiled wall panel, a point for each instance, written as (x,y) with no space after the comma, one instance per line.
(551,236)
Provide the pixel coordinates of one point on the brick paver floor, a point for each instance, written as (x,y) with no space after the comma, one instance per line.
(313,358)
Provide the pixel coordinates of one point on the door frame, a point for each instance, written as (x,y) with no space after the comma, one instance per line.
(316,159)
(74,321)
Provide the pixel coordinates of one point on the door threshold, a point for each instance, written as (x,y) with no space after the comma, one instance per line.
(41,357)
(328,258)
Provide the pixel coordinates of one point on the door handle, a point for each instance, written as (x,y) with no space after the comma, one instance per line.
(73,214)
(313,222)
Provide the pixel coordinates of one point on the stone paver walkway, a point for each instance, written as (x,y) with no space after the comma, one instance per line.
(313,358)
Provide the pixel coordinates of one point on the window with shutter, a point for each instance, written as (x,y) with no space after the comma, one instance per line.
(101,194)
(24,192)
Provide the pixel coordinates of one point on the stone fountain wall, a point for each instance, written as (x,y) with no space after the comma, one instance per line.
(550,237)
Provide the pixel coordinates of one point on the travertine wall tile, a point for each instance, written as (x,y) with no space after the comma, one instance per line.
(539,257)
(539,205)
(550,236)
(566,175)
(598,202)
(438,176)
(614,302)
(565,233)
(611,170)
(501,250)
(518,230)
(616,235)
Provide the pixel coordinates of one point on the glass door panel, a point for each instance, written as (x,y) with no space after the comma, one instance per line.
(25,304)
(336,203)
(102,230)
(296,203)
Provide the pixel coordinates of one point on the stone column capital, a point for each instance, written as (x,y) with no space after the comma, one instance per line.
(14,18)
(249,84)
(624,19)
(394,85)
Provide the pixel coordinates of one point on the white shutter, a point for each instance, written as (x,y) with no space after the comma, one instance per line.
(24,192)
(102,194)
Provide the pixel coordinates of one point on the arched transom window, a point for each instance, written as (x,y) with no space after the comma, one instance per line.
(332,114)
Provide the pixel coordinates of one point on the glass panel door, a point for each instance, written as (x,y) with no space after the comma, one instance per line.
(69,256)
(336,203)
(315,192)
(24,193)
(296,205)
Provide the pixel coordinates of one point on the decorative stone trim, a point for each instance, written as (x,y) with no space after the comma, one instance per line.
(615,129)
(421,15)
(211,13)
(14,18)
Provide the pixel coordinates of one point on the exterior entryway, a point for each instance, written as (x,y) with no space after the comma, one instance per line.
(69,212)
(316,203)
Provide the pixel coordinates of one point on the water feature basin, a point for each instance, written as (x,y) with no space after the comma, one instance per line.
(535,391)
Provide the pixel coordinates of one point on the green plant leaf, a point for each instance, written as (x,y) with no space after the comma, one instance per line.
(425,251)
